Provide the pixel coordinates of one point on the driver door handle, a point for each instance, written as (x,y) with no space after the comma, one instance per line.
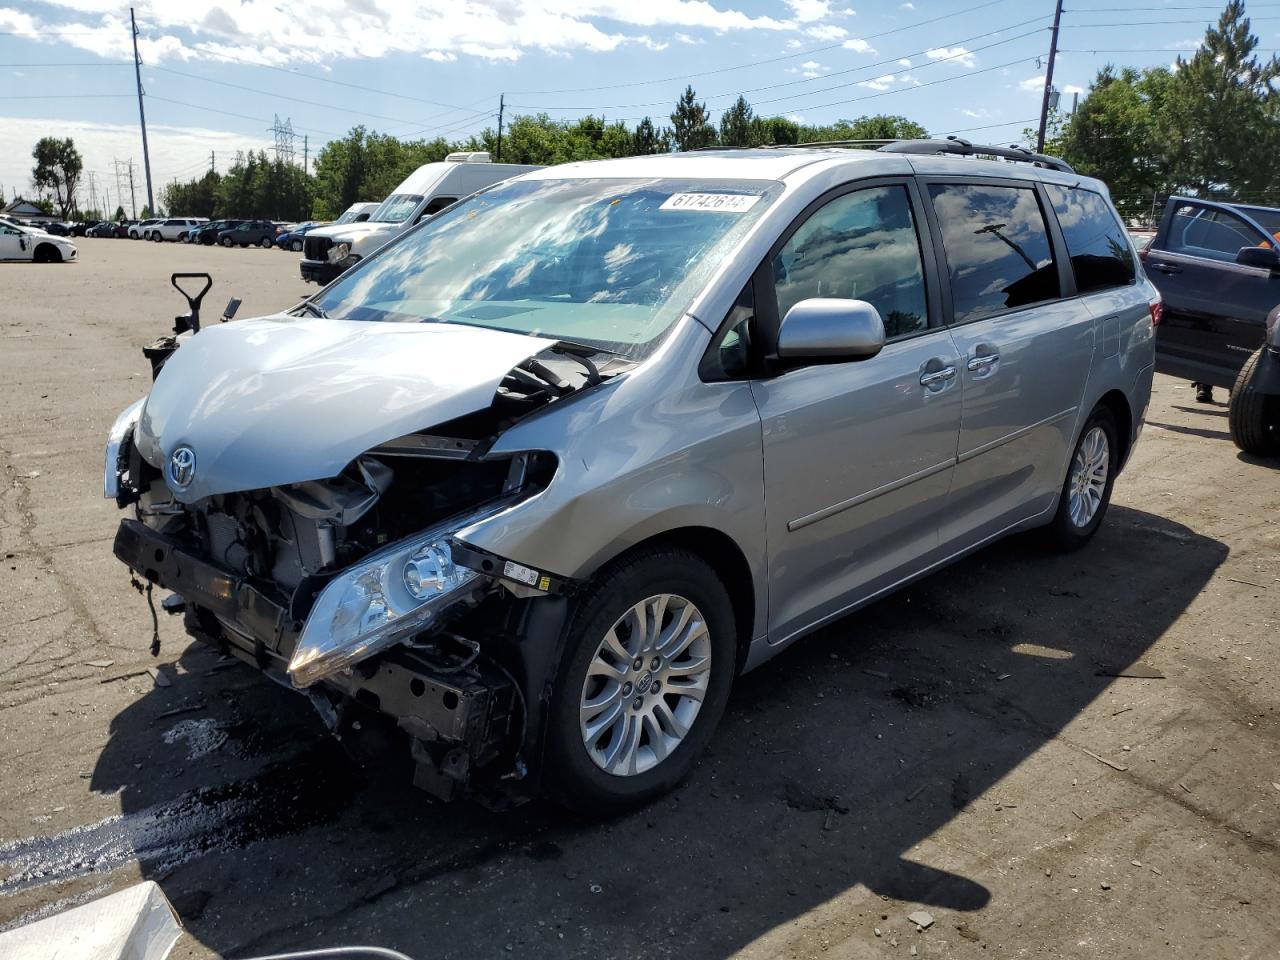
(937,376)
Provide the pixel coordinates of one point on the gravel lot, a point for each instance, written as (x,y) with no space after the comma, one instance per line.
(964,747)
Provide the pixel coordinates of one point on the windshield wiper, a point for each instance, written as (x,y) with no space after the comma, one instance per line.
(306,306)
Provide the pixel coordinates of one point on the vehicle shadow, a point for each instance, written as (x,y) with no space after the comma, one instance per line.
(1191,431)
(835,765)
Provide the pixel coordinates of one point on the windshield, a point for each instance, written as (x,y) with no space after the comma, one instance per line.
(396,208)
(610,263)
(347,217)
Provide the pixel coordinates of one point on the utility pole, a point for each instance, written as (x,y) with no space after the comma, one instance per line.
(93,192)
(133,199)
(501,106)
(213,162)
(1048,77)
(142,113)
(305,154)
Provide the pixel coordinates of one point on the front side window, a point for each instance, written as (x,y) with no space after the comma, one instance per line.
(608,262)
(997,247)
(1214,234)
(1101,255)
(860,246)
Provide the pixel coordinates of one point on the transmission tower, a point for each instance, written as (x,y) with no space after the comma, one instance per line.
(284,134)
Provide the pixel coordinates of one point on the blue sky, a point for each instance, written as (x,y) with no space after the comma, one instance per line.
(216,73)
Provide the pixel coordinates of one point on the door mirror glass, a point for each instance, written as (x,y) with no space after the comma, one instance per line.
(826,329)
(1265,257)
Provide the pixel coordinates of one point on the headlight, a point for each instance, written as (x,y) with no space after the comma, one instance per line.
(120,430)
(378,602)
(339,251)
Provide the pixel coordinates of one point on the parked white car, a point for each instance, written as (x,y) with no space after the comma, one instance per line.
(142,229)
(175,228)
(429,189)
(18,242)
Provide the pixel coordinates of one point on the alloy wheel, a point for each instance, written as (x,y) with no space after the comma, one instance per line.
(1089,469)
(645,685)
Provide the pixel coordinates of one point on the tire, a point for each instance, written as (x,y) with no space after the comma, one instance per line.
(227,242)
(581,782)
(157,237)
(1254,417)
(46,253)
(1073,527)
(296,246)
(265,243)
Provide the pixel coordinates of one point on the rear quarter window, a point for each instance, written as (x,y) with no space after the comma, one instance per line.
(1101,255)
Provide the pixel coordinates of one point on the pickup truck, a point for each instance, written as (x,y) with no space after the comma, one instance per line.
(433,187)
(1217,268)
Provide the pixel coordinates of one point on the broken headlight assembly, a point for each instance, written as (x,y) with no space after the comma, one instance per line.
(380,601)
(120,431)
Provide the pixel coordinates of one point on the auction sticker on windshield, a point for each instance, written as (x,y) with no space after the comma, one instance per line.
(710,202)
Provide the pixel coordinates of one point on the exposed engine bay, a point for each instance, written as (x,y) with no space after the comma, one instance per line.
(352,588)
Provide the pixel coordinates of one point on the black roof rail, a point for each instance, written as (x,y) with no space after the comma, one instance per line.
(963,148)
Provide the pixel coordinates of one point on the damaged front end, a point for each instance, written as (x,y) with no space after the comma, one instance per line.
(353,588)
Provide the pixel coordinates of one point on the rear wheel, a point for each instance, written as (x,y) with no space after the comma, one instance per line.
(265,243)
(648,663)
(157,237)
(226,241)
(296,246)
(1086,492)
(1253,416)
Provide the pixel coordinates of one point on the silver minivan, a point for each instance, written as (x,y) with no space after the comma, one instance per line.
(525,490)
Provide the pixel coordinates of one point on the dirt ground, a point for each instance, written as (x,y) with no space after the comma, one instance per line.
(964,748)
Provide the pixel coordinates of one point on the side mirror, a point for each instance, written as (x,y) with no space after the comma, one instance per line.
(1267,258)
(831,330)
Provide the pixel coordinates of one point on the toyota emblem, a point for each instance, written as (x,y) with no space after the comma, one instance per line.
(182,467)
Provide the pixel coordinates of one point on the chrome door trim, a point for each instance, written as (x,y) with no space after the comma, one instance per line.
(1154,257)
(1020,432)
(802,522)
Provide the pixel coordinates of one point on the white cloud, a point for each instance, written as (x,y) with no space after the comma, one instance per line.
(322,31)
(907,6)
(888,80)
(1032,84)
(176,152)
(1071,89)
(979,114)
(858,45)
(960,56)
(809,11)
(691,41)
(439,56)
(794,44)
(810,69)
(904,62)
(827,31)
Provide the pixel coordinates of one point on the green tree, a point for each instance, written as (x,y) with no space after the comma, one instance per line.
(1222,103)
(647,139)
(57,170)
(119,214)
(691,126)
(738,127)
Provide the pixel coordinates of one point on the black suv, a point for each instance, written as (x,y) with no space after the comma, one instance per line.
(261,233)
(1218,270)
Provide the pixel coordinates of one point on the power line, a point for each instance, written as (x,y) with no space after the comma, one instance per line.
(83,63)
(242,116)
(66,96)
(993,126)
(756,63)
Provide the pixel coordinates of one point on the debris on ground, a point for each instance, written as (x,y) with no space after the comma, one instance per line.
(1135,671)
(102,664)
(916,792)
(1110,763)
(923,919)
(800,797)
(160,679)
(203,736)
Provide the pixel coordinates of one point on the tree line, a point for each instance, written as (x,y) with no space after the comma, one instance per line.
(1208,126)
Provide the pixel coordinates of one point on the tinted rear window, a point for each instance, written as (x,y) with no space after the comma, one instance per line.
(997,246)
(1097,243)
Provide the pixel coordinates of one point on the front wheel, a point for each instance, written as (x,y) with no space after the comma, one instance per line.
(649,659)
(226,241)
(296,246)
(157,237)
(265,243)
(1086,492)
(1254,417)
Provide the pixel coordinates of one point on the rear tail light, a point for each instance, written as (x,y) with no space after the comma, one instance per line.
(1157,312)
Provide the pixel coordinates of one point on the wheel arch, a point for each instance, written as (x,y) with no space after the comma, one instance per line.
(725,557)
(46,252)
(1118,404)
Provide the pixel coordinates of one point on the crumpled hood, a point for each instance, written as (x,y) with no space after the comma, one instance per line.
(273,401)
